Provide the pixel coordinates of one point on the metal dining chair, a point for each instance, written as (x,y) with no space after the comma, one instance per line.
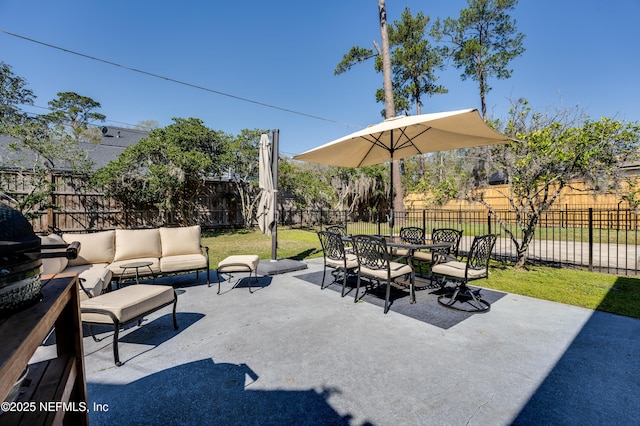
(336,257)
(374,260)
(410,235)
(337,229)
(342,231)
(441,235)
(475,267)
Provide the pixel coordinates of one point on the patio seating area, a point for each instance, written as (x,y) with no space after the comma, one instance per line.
(291,353)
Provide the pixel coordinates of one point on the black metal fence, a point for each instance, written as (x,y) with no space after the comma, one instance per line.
(598,239)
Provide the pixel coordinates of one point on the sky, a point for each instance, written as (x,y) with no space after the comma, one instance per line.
(238,56)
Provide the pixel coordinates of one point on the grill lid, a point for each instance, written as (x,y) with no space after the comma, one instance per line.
(16,233)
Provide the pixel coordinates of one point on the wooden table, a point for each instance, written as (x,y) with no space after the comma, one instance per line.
(55,381)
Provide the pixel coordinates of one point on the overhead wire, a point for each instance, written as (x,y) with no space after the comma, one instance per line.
(195,86)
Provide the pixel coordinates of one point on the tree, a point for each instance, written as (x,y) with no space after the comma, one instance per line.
(551,152)
(166,170)
(482,41)
(408,72)
(390,112)
(307,183)
(414,63)
(359,189)
(241,159)
(38,149)
(13,93)
(439,177)
(75,112)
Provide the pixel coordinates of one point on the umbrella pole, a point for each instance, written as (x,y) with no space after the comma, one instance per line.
(274,168)
(391,212)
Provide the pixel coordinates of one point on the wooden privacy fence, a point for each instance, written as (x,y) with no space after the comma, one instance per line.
(603,238)
(79,209)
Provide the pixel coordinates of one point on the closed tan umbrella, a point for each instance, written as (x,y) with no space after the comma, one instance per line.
(406,136)
(265,213)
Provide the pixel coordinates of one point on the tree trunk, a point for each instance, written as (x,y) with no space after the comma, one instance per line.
(483,101)
(390,111)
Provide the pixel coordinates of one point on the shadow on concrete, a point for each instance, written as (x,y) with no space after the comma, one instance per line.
(205,393)
(150,333)
(303,255)
(228,284)
(597,379)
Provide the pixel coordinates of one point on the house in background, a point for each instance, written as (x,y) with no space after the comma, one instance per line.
(114,140)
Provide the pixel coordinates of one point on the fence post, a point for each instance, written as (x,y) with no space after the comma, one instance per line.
(424,221)
(590,239)
(489,223)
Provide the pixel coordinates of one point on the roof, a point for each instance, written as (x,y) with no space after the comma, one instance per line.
(114,141)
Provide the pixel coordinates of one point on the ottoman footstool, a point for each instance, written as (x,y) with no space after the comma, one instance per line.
(126,305)
(239,263)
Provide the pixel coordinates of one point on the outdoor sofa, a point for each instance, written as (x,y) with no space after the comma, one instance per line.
(101,255)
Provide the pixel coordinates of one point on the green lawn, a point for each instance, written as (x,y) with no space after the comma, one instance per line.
(605,292)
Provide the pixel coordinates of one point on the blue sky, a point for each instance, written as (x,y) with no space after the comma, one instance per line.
(283,53)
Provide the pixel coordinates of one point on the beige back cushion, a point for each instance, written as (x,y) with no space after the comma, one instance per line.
(95,247)
(56,264)
(177,241)
(137,243)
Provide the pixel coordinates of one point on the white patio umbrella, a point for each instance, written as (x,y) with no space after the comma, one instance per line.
(265,213)
(405,136)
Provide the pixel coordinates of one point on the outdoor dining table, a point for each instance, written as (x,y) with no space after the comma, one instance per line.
(413,247)
(396,242)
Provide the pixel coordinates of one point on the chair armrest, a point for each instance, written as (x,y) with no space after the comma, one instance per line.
(80,281)
(206,252)
(441,257)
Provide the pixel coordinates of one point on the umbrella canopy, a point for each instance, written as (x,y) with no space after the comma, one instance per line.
(405,136)
(265,213)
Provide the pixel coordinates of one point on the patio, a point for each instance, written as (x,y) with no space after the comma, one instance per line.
(293,354)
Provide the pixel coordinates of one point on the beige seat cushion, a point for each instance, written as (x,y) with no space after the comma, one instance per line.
(128,303)
(399,251)
(456,269)
(239,263)
(53,265)
(81,268)
(423,256)
(97,247)
(95,281)
(397,270)
(352,262)
(137,244)
(179,241)
(183,262)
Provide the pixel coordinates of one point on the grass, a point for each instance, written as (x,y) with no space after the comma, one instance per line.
(292,244)
(604,292)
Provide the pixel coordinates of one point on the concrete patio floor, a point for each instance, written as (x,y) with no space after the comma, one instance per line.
(292,354)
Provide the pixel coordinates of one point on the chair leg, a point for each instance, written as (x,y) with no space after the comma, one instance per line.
(479,305)
(355,298)
(218,276)
(412,288)
(256,277)
(386,297)
(116,354)
(175,305)
(95,339)
(324,272)
(344,281)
